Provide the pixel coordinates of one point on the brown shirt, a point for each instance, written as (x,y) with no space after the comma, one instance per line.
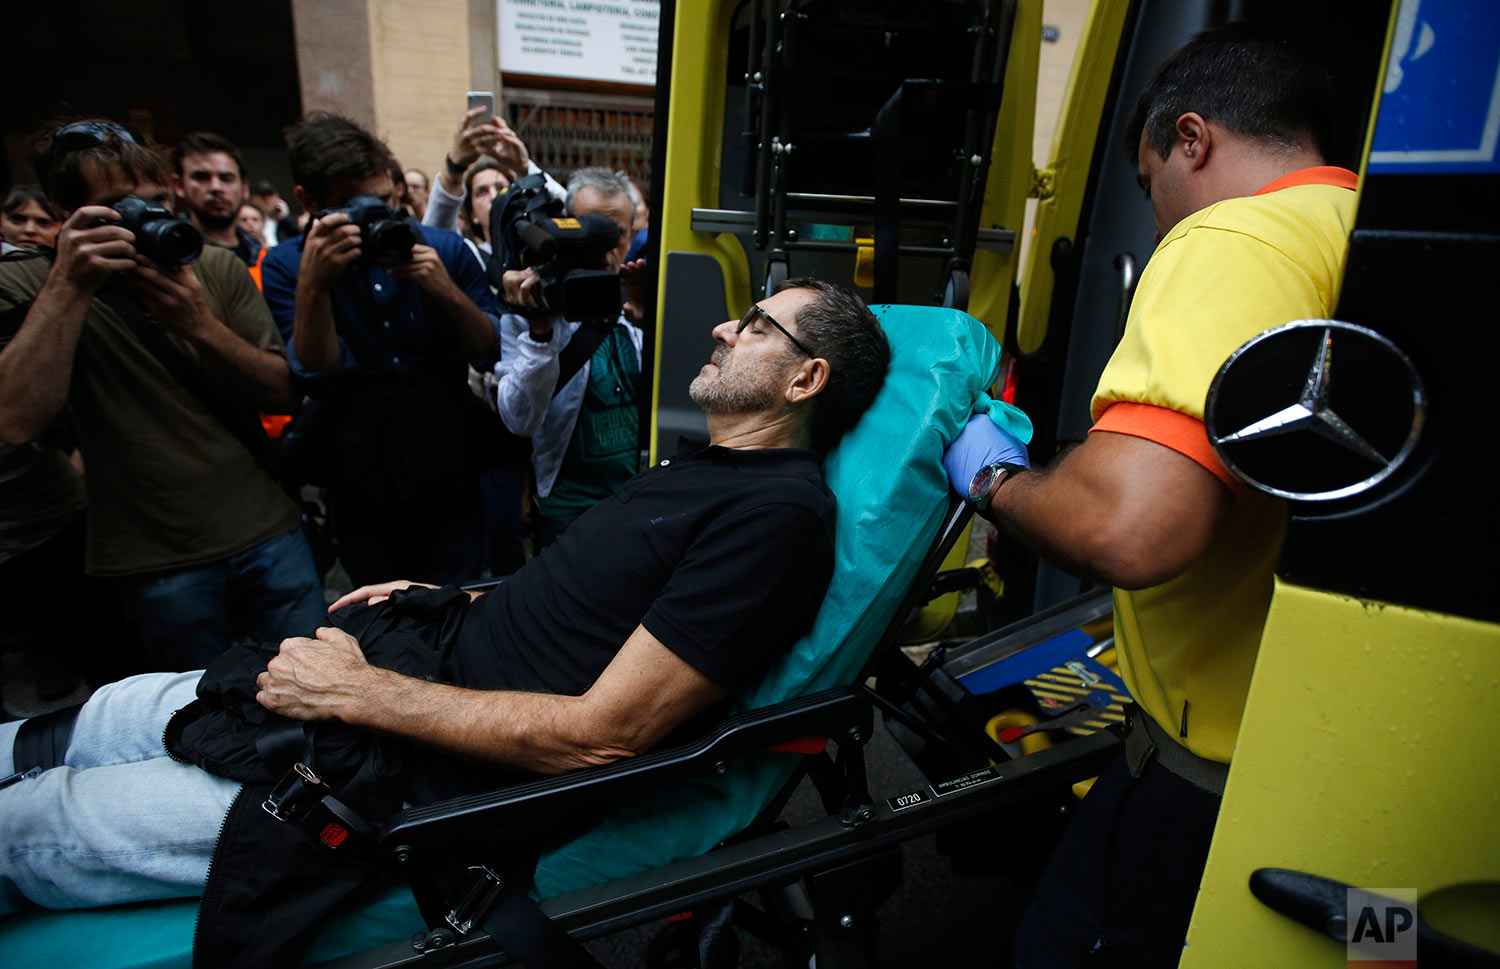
(168,485)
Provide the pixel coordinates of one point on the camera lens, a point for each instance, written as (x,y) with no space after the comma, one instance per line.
(172,242)
(390,241)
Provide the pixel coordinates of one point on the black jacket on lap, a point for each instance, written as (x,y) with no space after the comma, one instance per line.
(269,888)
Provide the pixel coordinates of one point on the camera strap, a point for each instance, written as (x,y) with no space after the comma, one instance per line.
(579,351)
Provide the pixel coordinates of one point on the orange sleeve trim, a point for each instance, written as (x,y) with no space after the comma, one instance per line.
(1169,428)
(1317,175)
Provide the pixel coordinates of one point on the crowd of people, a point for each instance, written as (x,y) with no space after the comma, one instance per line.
(211,440)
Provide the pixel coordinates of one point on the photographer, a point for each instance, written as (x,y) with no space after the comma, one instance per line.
(584,436)
(382,318)
(155,363)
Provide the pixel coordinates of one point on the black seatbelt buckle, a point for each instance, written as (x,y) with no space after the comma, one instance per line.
(304,799)
(479,895)
(334,828)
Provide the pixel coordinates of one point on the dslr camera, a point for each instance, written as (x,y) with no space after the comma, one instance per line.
(159,235)
(384,237)
(567,253)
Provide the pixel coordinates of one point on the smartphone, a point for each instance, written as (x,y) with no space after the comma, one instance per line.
(482,99)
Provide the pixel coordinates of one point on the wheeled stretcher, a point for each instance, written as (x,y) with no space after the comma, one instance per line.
(653,853)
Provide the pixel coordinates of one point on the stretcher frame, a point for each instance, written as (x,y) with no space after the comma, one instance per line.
(859,829)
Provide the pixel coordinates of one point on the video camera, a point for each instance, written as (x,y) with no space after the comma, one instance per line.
(568,253)
(384,237)
(159,235)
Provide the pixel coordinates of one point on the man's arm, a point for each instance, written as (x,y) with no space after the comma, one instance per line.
(443,206)
(471,139)
(375,594)
(478,331)
(526,374)
(1125,510)
(644,693)
(332,244)
(36,366)
(174,296)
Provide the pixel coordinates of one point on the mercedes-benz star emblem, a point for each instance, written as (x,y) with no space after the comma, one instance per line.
(1278,418)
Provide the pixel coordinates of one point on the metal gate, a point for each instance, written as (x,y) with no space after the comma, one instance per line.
(565,131)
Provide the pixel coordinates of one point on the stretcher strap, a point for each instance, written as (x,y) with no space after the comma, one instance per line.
(526,933)
(43,741)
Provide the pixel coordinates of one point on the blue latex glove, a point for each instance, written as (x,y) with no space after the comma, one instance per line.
(981,442)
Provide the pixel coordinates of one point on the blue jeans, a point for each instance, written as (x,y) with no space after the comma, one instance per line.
(120,821)
(187,617)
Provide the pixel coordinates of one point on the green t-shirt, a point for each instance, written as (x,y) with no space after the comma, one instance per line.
(602,453)
(168,485)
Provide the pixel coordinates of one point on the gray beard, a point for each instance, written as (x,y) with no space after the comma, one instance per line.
(718,398)
(732,392)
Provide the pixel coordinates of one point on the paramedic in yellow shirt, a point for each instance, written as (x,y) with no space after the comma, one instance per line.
(1252,229)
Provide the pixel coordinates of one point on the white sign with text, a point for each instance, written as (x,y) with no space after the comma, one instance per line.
(591,40)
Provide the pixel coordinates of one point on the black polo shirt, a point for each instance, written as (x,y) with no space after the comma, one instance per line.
(722,554)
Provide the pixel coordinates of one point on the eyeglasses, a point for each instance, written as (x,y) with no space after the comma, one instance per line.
(89,134)
(755,311)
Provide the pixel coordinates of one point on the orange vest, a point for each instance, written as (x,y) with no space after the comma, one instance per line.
(255,269)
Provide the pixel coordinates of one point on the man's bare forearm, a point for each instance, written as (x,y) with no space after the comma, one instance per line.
(36,367)
(1049,514)
(538,732)
(1120,509)
(644,693)
(313,332)
(259,377)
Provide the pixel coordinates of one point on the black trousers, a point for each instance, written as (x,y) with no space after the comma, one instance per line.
(1119,890)
(40,612)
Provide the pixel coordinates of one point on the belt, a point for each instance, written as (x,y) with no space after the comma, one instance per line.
(1147,741)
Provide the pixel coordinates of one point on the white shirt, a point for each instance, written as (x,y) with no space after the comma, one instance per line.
(523,395)
(442,206)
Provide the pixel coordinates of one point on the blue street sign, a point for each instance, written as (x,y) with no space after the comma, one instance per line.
(1440,107)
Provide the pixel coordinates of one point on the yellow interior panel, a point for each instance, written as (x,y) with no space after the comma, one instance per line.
(1010,171)
(1073,143)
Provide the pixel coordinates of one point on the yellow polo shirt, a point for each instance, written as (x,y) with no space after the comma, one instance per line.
(1221,276)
